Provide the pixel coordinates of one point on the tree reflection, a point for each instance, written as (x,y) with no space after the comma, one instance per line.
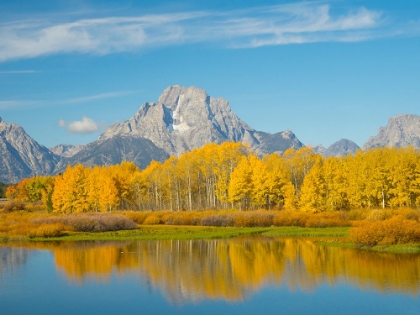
(234,269)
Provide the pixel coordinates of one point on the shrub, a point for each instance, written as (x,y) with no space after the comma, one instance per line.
(291,219)
(48,230)
(407,213)
(92,222)
(14,206)
(357,214)
(136,216)
(248,219)
(326,219)
(378,215)
(218,220)
(151,220)
(396,230)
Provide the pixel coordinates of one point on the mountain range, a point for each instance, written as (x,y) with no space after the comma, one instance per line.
(183,118)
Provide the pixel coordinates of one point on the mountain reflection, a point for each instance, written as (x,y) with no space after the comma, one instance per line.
(233,269)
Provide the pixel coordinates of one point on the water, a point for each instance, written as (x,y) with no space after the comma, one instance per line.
(236,276)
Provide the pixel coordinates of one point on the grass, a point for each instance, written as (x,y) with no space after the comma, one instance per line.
(160,232)
(177,232)
(295,231)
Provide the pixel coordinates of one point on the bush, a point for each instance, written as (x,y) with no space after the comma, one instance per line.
(249,219)
(136,216)
(326,219)
(218,220)
(48,230)
(92,222)
(151,220)
(14,206)
(291,219)
(396,230)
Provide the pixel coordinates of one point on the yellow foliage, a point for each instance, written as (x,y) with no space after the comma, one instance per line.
(151,220)
(396,230)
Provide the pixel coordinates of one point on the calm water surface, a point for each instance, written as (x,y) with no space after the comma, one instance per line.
(235,276)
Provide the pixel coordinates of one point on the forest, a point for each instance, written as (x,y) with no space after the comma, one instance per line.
(231,176)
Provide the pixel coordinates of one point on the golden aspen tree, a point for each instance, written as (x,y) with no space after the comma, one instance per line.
(109,195)
(240,185)
(94,186)
(70,191)
(314,191)
(402,175)
(123,174)
(299,162)
(227,158)
(279,187)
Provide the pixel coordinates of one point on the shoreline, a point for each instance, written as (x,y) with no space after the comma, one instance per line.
(332,236)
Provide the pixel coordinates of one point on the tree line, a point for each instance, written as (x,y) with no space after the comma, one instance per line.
(230,175)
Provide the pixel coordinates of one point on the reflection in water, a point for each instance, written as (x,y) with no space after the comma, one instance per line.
(233,269)
(11,258)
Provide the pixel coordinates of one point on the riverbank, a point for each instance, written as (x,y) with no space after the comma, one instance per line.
(394,233)
(171,232)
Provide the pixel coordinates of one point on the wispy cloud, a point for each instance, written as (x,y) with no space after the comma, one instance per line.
(94,97)
(84,126)
(17,71)
(22,104)
(274,25)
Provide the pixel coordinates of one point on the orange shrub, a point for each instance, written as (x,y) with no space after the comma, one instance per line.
(48,230)
(151,220)
(247,219)
(396,230)
(291,219)
(357,214)
(326,219)
(136,216)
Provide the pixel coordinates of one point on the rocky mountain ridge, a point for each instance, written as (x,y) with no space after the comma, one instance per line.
(401,131)
(185,118)
(341,148)
(21,156)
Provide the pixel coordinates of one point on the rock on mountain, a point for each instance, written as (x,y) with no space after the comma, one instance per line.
(318,149)
(185,118)
(21,156)
(341,148)
(114,151)
(277,142)
(66,150)
(401,131)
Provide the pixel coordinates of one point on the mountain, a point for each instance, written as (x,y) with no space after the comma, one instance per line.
(21,156)
(66,150)
(401,131)
(115,150)
(185,118)
(318,149)
(341,148)
(277,142)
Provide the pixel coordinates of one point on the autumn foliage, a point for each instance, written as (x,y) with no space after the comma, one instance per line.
(208,186)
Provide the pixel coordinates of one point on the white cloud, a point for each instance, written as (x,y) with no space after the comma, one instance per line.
(62,123)
(84,126)
(274,25)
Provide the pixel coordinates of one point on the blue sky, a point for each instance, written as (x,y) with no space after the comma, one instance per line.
(324,69)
